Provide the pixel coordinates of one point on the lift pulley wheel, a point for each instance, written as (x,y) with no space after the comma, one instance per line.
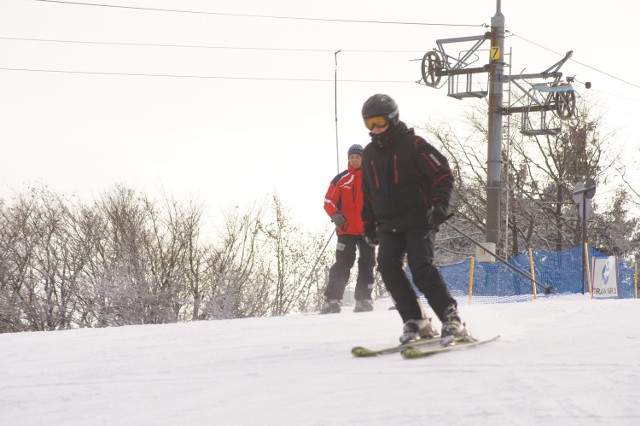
(431,68)
(565,104)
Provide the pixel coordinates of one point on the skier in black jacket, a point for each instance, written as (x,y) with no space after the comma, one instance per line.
(407,185)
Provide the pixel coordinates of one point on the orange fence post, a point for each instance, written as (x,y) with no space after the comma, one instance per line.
(586,255)
(533,274)
(635,279)
(471,266)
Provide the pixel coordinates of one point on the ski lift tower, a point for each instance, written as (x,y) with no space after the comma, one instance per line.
(494,152)
(555,97)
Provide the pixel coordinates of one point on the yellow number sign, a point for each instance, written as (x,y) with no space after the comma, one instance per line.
(495,53)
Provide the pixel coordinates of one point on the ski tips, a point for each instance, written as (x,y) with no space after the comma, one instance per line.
(359,352)
(410,353)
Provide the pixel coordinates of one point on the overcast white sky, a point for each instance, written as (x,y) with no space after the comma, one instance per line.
(227,126)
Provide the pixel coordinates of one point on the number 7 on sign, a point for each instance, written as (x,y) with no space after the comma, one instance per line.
(495,53)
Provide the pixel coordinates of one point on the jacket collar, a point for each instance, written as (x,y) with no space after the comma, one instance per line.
(391,136)
(353,170)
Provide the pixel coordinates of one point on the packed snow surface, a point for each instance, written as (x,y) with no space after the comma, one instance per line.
(560,360)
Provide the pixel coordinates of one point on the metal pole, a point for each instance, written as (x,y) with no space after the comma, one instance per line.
(318,259)
(547,288)
(584,237)
(496,73)
(507,168)
(335,98)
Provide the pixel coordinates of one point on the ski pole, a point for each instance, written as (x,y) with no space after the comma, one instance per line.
(318,259)
(547,289)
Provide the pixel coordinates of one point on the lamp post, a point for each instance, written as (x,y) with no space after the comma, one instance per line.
(335,105)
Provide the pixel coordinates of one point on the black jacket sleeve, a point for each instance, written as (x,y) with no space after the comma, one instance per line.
(437,173)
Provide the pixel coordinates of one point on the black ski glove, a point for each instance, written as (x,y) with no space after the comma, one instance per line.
(436,216)
(339,219)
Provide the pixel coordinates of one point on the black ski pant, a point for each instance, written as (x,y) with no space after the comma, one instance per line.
(341,269)
(418,245)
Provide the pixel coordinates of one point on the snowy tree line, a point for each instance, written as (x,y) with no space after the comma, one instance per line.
(126,259)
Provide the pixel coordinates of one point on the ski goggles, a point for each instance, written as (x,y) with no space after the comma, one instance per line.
(377,121)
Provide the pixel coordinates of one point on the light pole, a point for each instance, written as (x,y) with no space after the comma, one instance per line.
(335,105)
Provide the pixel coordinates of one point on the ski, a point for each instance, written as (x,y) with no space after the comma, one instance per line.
(360,352)
(409,352)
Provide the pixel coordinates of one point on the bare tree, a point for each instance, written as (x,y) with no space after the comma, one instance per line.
(320,258)
(289,256)
(11,275)
(613,231)
(232,266)
(541,171)
(39,266)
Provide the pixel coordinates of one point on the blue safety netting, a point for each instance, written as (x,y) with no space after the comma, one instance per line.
(563,271)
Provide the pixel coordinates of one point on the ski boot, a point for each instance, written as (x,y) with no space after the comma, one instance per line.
(331,306)
(364,305)
(417,329)
(453,329)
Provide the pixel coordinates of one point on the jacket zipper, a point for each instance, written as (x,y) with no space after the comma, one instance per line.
(355,188)
(375,174)
(395,168)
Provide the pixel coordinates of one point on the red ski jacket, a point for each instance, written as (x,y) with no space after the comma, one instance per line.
(345,195)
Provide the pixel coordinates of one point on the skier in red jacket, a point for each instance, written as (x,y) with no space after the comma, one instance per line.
(343,204)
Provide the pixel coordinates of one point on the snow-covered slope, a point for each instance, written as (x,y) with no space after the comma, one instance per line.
(561,360)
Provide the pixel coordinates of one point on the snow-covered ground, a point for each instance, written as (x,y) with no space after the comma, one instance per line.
(561,360)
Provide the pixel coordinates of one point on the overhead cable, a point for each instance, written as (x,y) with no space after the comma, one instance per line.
(213,77)
(246,15)
(201,46)
(580,63)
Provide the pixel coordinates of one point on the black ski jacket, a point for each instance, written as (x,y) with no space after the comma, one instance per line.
(403,176)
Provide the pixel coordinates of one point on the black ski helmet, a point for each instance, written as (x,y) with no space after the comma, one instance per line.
(384,105)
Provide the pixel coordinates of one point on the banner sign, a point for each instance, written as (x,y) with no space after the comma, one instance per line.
(605,277)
